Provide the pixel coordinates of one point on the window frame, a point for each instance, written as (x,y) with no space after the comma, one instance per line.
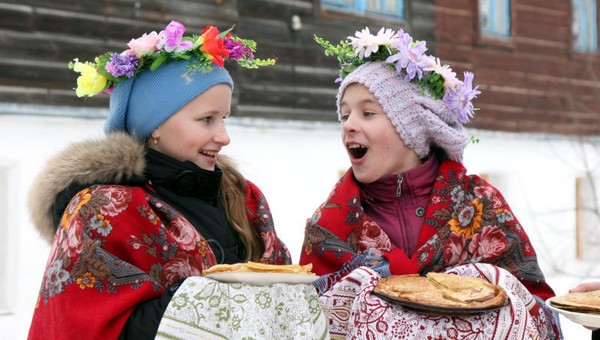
(7,248)
(360,7)
(494,31)
(589,26)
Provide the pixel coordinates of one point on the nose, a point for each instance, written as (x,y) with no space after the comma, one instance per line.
(221,136)
(350,124)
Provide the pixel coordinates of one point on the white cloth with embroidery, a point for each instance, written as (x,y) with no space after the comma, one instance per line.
(356,313)
(203,308)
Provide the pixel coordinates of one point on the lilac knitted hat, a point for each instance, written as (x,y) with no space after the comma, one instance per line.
(421,121)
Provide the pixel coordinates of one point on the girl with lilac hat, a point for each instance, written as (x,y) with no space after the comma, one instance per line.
(134,216)
(408,207)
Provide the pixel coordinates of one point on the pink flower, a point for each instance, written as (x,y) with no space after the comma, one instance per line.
(490,243)
(371,236)
(269,239)
(71,240)
(186,236)
(118,200)
(454,249)
(482,191)
(182,266)
(489,193)
(143,45)
(170,38)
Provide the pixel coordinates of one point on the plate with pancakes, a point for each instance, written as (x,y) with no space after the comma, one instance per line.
(442,293)
(581,307)
(260,274)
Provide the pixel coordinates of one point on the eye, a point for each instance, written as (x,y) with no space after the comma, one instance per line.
(344,117)
(368,113)
(206,119)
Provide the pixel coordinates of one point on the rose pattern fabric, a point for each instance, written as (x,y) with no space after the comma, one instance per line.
(354,312)
(118,246)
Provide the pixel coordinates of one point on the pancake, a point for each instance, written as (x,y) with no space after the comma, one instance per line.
(580,301)
(260,268)
(443,290)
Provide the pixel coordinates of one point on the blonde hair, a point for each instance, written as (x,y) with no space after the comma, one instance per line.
(232,195)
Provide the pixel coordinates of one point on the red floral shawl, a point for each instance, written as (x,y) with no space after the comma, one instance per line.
(118,246)
(467,221)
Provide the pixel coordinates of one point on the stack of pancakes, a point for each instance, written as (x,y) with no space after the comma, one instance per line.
(443,290)
(260,268)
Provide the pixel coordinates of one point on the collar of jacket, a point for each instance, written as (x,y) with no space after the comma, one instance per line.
(114,159)
(182,178)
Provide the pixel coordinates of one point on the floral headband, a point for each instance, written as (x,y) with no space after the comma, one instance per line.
(152,50)
(399,50)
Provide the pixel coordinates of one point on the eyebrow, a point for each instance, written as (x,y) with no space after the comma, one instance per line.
(364,101)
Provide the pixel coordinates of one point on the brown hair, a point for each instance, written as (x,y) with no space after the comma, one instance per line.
(232,195)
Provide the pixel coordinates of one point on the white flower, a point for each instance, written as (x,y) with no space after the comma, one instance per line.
(387,36)
(366,43)
(445,71)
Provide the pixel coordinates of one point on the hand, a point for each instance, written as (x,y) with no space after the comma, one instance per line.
(585,287)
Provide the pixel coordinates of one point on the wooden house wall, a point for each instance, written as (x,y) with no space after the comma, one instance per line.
(532,82)
(39,38)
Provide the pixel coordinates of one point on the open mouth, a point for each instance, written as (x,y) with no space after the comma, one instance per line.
(209,153)
(357,151)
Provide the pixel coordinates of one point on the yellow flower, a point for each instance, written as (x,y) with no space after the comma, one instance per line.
(87,281)
(89,82)
(76,202)
(468,220)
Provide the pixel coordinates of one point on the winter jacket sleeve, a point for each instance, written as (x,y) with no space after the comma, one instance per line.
(144,321)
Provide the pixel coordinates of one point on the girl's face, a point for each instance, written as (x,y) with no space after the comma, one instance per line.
(373,145)
(197,132)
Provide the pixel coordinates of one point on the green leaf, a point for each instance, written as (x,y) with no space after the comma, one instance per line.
(158,61)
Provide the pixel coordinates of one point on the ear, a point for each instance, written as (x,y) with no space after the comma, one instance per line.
(155,134)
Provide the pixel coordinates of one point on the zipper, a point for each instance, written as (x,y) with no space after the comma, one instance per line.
(399,189)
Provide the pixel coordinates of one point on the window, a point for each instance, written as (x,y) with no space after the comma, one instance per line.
(587,219)
(5,305)
(494,18)
(585,26)
(391,8)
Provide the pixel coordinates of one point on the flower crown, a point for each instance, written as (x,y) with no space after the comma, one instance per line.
(151,50)
(399,50)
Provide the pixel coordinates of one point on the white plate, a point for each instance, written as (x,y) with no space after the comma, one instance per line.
(261,279)
(586,319)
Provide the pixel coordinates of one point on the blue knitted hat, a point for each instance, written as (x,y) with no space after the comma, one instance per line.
(140,104)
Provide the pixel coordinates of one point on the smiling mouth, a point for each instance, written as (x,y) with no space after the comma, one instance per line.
(209,153)
(357,151)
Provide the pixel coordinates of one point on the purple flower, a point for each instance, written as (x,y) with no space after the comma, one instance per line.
(409,57)
(237,50)
(121,65)
(170,38)
(458,99)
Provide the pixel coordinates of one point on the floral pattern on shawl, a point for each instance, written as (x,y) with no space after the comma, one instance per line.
(80,255)
(467,221)
(118,246)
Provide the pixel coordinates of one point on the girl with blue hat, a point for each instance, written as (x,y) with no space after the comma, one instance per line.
(132,215)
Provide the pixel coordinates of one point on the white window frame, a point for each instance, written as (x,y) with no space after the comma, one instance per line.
(585,26)
(7,245)
(366,7)
(495,18)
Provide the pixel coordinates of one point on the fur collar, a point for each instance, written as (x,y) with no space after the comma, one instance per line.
(115,158)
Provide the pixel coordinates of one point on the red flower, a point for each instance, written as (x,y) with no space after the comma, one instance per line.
(371,236)
(454,249)
(212,46)
(490,243)
(181,266)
